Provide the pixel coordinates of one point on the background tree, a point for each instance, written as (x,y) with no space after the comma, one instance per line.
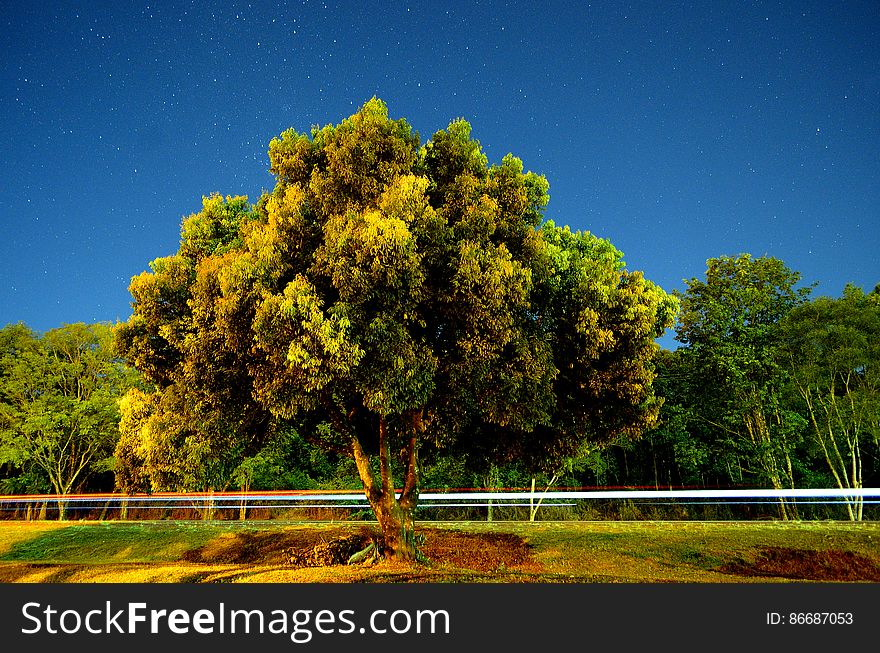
(17,342)
(729,329)
(389,297)
(58,402)
(682,450)
(832,350)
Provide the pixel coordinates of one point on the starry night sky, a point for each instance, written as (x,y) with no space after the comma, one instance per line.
(679,131)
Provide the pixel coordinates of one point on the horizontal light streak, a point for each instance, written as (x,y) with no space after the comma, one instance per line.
(334,505)
(672,494)
(336,498)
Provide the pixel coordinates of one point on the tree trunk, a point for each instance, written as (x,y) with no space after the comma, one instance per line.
(209,509)
(491,483)
(398,528)
(395,514)
(839,444)
(61,493)
(759,433)
(242,509)
(533,509)
(532,501)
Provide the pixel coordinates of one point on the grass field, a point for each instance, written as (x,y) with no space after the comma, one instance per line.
(547,552)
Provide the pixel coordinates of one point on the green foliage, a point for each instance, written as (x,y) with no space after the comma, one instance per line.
(385,297)
(769,387)
(832,353)
(58,405)
(200,421)
(286,461)
(729,319)
(683,450)
(729,325)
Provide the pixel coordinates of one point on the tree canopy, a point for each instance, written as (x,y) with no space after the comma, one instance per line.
(729,326)
(385,297)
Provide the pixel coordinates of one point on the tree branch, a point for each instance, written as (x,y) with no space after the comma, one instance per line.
(409,496)
(362,461)
(385,458)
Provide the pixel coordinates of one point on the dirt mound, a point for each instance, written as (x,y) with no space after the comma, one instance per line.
(255,547)
(806,564)
(484,552)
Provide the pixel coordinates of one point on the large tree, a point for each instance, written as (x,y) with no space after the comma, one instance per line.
(386,297)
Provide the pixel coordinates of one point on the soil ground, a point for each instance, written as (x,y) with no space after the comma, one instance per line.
(541,552)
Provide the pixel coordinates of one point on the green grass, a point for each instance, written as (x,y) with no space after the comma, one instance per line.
(113,542)
(23,531)
(560,552)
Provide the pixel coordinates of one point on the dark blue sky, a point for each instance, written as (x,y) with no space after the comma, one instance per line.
(679,131)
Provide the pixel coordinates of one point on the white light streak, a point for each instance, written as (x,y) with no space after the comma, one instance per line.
(427,498)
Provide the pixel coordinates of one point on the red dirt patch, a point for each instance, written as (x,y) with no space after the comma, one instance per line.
(477,551)
(806,564)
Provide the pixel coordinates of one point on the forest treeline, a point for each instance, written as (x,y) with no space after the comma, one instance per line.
(768,387)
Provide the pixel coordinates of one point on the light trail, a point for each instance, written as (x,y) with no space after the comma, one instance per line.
(673,494)
(544,505)
(330,505)
(335,498)
(479,499)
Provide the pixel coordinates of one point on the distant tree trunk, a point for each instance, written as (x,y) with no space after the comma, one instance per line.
(532,501)
(62,508)
(656,473)
(210,507)
(778,474)
(491,484)
(61,493)
(533,509)
(242,510)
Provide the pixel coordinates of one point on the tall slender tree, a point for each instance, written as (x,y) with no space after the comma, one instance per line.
(832,352)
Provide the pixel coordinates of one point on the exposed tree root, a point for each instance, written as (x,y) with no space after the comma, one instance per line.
(362,549)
